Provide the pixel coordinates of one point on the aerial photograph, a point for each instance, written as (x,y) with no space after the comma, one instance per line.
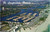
(24,15)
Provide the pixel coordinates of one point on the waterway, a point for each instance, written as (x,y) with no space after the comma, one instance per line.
(28,10)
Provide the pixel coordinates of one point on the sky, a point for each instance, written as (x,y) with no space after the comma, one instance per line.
(24,0)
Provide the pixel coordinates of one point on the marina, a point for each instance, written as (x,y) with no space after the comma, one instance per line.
(24,16)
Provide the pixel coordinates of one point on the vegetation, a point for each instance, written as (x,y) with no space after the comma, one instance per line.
(5,28)
(4,22)
(16,6)
(21,23)
(46,11)
(42,19)
(9,12)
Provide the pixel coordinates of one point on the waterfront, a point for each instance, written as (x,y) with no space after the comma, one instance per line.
(24,16)
(27,11)
(40,28)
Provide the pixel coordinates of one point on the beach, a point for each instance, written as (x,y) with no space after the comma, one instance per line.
(39,28)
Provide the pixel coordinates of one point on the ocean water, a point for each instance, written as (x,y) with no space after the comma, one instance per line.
(48,29)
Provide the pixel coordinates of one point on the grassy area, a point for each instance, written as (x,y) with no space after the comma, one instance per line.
(46,11)
(5,28)
(5,23)
(42,19)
